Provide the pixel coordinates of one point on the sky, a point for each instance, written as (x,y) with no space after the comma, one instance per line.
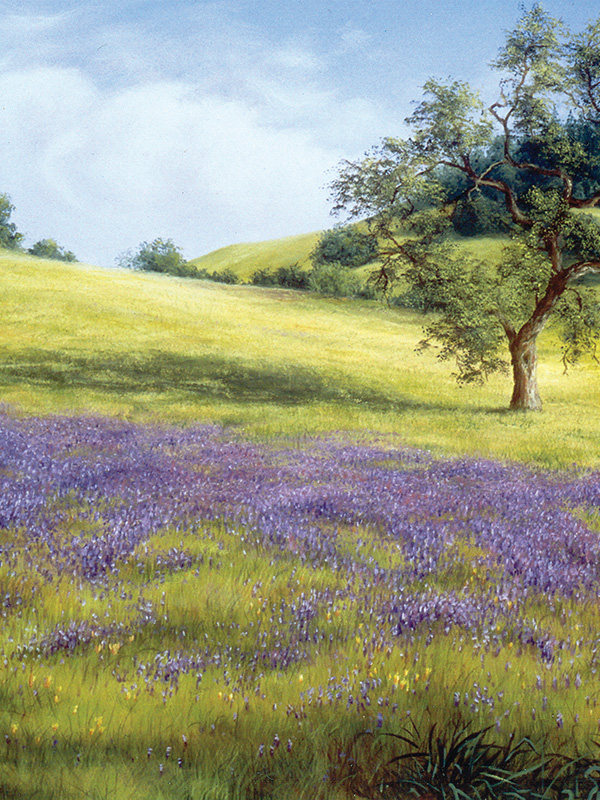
(212,123)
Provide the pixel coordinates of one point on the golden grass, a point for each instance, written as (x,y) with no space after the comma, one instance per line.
(246,258)
(276,363)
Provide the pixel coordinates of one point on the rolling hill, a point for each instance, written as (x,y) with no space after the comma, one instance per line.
(80,339)
(245,259)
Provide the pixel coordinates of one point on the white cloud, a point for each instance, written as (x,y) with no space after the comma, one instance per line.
(113,134)
(103,171)
(353,39)
(31,24)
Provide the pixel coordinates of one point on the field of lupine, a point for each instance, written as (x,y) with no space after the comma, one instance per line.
(189,615)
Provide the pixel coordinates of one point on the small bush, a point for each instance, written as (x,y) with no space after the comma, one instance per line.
(346,246)
(262,277)
(227,276)
(334,280)
(158,256)
(290,277)
(48,248)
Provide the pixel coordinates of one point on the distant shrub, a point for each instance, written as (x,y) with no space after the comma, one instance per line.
(263,277)
(346,246)
(9,235)
(48,248)
(159,256)
(368,291)
(227,276)
(334,280)
(478,215)
(290,277)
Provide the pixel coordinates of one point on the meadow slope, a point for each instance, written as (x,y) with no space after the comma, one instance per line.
(271,362)
(246,258)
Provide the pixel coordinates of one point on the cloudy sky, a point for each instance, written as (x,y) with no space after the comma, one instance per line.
(215,122)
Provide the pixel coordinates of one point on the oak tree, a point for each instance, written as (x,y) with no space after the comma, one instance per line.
(536,149)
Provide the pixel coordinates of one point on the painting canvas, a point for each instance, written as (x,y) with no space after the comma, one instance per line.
(299,488)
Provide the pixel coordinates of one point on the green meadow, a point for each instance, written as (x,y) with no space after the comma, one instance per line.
(268,362)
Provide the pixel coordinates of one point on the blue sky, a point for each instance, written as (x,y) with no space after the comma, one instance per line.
(215,122)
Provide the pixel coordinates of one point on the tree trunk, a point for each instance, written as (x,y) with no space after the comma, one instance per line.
(524,363)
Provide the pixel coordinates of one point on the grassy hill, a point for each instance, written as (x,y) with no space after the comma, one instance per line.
(274,362)
(245,259)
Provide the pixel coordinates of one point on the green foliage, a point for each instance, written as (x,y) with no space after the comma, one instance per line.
(158,256)
(462,293)
(460,763)
(10,238)
(333,280)
(48,248)
(478,214)
(225,276)
(581,53)
(531,58)
(289,277)
(449,123)
(292,277)
(346,246)
(263,277)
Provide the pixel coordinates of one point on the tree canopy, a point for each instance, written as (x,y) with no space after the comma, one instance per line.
(526,165)
(48,248)
(161,255)
(9,235)
(345,246)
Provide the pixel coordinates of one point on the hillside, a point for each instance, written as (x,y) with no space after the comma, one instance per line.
(75,338)
(245,259)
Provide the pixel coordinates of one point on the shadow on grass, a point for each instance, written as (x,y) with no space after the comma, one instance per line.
(204,377)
